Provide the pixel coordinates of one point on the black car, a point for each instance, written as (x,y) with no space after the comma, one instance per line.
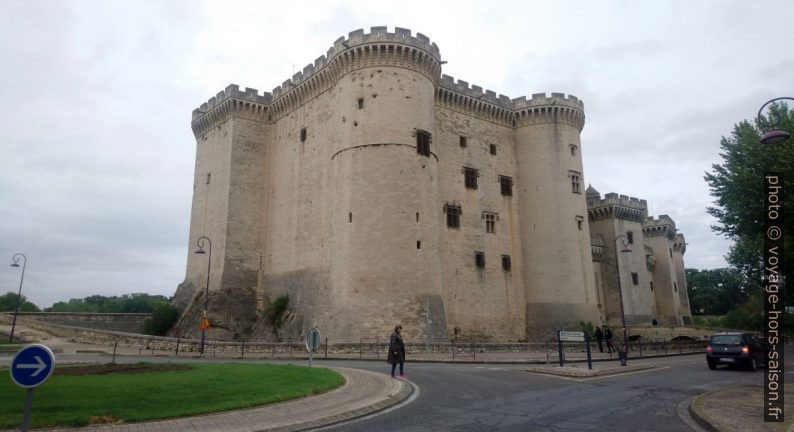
(739,349)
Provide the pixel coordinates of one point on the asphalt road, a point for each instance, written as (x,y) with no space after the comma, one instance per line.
(482,398)
(506,398)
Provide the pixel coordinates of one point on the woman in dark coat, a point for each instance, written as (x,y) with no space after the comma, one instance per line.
(396,351)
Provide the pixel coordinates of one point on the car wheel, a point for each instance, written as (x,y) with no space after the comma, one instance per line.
(753,365)
(712,364)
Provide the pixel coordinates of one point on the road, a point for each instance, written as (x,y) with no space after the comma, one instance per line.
(499,398)
(481,398)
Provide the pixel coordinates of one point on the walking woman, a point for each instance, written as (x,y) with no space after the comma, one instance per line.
(396,351)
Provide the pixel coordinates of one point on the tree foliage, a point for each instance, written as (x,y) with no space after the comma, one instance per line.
(127,303)
(739,200)
(8,303)
(163,318)
(717,291)
(274,312)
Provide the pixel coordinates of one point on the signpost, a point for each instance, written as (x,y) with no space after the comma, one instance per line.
(31,366)
(312,342)
(567,336)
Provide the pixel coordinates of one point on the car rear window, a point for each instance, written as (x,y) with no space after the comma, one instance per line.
(727,340)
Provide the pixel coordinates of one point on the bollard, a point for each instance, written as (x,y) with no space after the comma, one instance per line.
(326,347)
(115,343)
(242,348)
(177,347)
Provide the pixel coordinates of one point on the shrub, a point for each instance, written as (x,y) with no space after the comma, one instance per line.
(274,312)
(163,318)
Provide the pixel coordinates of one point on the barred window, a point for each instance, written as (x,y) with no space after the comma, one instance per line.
(453,215)
(630,236)
(635,279)
(493,149)
(479,259)
(579,222)
(506,184)
(360,103)
(462,141)
(303,134)
(470,177)
(506,265)
(423,142)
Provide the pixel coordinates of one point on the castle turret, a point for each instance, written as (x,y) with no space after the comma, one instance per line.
(555,238)
(611,217)
(660,234)
(679,249)
(229,187)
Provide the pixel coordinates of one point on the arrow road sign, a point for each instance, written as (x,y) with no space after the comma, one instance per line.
(32,365)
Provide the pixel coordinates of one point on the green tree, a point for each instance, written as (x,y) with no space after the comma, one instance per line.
(127,303)
(717,291)
(8,302)
(163,318)
(739,199)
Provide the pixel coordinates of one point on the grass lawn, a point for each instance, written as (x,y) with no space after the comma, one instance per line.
(79,400)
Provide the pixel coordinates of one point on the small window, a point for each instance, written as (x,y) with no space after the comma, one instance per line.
(453,215)
(423,142)
(303,134)
(675,286)
(350,217)
(490,222)
(576,181)
(470,177)
(209,175)
(506,184)
(579,222)
(479,259)
(573,149)
(493,149)
(630,236)
(635,279)
(360,103)
(671,253)
(417,216)
(462,141)
(506,265)
(651,285)
(418,244)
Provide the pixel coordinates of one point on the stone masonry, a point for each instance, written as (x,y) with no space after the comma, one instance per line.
(374,190)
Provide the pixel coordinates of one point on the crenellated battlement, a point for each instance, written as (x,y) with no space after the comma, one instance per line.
(356,38)
(661,226)
(616,206)
(232,91)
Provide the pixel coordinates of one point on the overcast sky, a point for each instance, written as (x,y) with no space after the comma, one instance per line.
(97,155)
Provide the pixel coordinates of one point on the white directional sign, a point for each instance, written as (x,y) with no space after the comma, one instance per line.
(571,336)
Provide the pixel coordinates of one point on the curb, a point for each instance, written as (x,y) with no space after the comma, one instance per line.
(405,392)
(587,373)
(700,418)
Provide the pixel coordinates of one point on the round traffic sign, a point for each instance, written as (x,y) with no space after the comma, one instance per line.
(32,365)
(312,339)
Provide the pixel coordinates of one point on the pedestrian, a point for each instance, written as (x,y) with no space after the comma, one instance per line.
(599,335)
(608,337)
(396,351)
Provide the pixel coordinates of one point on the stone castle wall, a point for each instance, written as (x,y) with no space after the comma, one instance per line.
(317,190)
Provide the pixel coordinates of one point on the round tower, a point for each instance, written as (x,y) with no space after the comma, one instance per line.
(385,265)
(555,239)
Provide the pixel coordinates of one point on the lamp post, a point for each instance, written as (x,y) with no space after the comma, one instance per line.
(200,251)
(626,248)
(19,294)
(772,135)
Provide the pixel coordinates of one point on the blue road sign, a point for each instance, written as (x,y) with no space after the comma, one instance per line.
(32,365)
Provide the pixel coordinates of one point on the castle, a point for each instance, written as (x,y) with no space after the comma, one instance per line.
(374,190)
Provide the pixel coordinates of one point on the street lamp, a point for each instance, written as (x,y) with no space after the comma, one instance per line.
(19,295)
(200,251)
(626,248)
(772,135)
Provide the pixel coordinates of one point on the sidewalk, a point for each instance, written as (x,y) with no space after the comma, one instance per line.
(738,408)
